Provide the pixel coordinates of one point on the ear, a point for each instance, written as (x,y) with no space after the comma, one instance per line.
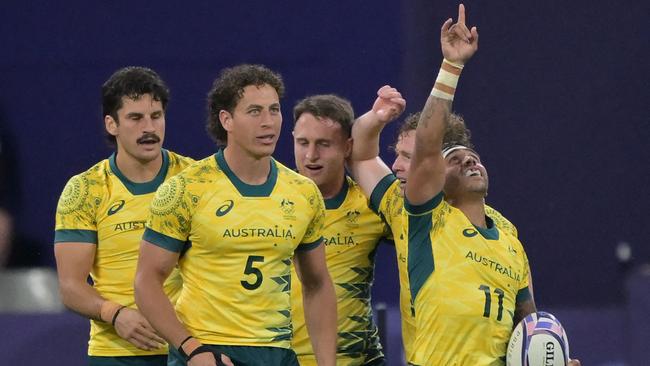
(348,147)
(111,125)
(225,118)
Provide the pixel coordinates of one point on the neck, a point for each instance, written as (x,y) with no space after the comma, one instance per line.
(331,189)
(473,208)
(249,169)
(138,171)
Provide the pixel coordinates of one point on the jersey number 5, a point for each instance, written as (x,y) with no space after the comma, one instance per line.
(251,270)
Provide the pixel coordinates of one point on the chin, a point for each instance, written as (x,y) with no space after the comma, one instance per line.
(263,152)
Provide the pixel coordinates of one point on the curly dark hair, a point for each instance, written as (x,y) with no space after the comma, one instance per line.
(228,89)
(456,132)
(329,106)
(131,82)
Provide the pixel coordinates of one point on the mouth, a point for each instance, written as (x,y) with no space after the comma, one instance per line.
(313,168)
(266,139)
(148,140)
(473,173)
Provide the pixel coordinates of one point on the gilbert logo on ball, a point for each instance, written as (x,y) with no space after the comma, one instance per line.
(538,340)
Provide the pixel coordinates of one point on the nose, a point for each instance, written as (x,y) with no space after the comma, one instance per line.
(148,124)
(266,118)
(469,160)
(397,166)
(312,152)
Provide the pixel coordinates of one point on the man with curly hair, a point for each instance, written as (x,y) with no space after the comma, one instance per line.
(235,223)
(100,220)
(427,342)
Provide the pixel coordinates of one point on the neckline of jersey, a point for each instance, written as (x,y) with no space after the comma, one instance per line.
(141,188)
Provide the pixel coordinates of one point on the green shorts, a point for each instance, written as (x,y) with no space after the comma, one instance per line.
(245,355)
(158,360)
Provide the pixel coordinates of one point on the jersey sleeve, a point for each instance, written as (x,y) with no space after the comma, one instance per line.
(76,212)
(524,287)
(314,233)
(170,216)
(386,199)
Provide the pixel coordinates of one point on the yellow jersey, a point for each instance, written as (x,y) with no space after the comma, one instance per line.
(237,243)
(102,207)
(352,232)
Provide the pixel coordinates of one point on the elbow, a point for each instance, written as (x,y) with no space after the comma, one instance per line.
(138,286)
(67,289)
(317,283)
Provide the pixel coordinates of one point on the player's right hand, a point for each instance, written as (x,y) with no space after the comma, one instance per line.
(133,327)
(207,359)
(458,42)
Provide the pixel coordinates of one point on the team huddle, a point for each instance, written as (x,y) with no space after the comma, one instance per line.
(236,259)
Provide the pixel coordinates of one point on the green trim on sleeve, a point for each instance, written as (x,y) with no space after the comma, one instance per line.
(309,246)
(420,253)
(523,295)
(380,190)
(425,207)
(75,236)
(163,241)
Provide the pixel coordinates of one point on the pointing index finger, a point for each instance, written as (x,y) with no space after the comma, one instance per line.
(461,14)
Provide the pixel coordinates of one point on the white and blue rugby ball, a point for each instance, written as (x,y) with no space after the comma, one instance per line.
(538,340)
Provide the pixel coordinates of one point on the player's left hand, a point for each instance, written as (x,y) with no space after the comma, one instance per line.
(458,43)
(389,104)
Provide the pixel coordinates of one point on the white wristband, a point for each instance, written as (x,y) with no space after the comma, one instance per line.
(447,80)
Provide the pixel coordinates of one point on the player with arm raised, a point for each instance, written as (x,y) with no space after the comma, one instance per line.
(386,190)
(458,260)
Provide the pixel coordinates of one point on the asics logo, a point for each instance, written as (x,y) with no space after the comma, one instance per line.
(225,208)
(116,207)
(470,232)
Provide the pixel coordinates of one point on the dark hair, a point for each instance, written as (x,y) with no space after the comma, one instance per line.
(456,132)
(329,106)
(131,82)
(228,89)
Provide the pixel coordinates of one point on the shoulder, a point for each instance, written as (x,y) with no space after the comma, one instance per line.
(501,221)
(86,187)
(179,161)
(299,182)
(202,170)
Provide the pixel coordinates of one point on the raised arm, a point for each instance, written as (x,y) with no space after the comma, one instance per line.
(74,261)
(364,164)
(427,171)
(319,302)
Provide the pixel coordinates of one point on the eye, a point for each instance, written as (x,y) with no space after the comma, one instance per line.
(275,109)
(324,143)
(254,112)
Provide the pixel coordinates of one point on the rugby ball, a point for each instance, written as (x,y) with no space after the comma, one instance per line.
(538,340)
